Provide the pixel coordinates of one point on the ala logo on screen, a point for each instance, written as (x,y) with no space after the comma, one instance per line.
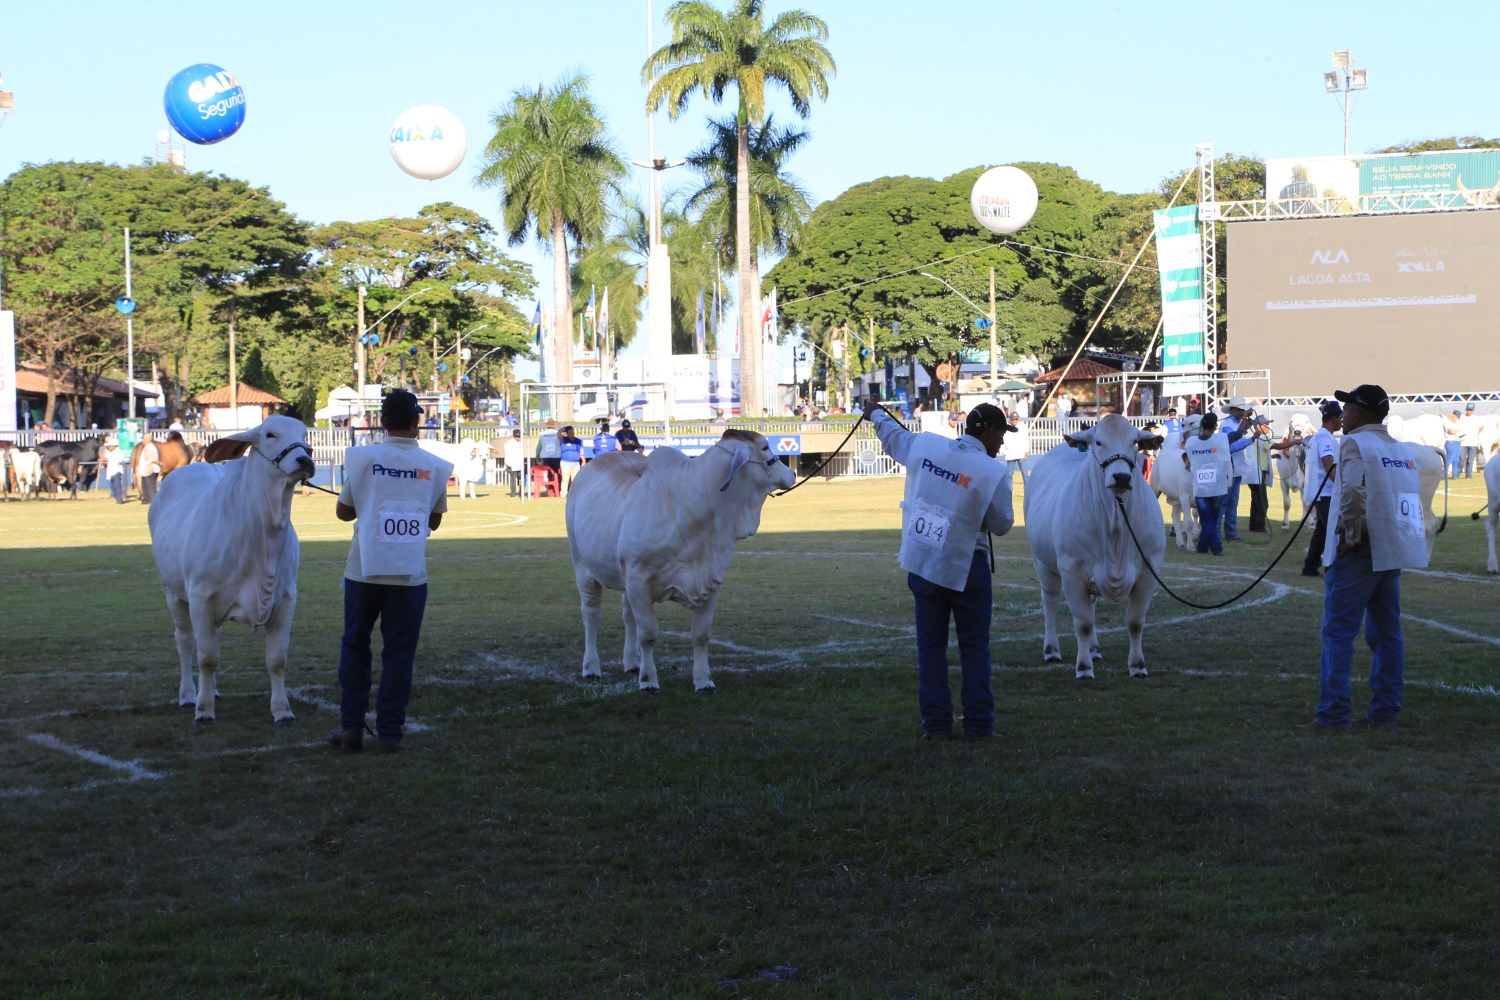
(1329,257)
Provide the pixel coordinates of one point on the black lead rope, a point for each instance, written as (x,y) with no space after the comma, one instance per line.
(830,457)
(1212,607)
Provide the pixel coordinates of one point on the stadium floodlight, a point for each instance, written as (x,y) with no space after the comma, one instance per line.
(1341,81)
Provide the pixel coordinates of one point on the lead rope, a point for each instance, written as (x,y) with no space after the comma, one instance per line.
(829,458)
(1119,500)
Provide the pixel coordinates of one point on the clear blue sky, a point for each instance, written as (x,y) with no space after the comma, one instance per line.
(1119,91)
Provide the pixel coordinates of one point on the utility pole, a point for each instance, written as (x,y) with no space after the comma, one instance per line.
(234,375)
(994,364)
(129,334)
(359,347)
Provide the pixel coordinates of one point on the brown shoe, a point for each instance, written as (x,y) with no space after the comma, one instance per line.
(352,740)
(1322,727)
(391,746)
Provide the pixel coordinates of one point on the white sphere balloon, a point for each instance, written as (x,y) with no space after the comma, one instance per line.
(1003,199)
(428,141)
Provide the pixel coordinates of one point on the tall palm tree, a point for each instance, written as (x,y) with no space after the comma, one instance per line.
(558,170)
(710,51)
(778,202)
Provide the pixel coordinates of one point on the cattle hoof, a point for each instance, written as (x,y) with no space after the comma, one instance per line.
(1085,675)
(205,720)
(1051,658)
(651,690)
(705,690)
(1139,672)
(187,704)
(290,720)
(1095,655)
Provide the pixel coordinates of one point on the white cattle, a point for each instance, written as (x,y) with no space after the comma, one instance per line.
(1169,478)
(1424,428)
(664,528)
(1432,469)
(1491,511)
(226,550)
(1076,510)
(1290,465)
(467,459)
(1489,436)
(28,469)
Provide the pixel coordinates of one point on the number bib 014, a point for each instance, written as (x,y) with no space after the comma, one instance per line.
(929,525)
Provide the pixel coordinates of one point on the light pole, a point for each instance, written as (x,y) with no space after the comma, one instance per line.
(366,337)
(990,322)
(1343,84)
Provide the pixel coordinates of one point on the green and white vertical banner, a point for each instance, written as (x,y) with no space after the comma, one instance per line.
(1179,257)
(7,372)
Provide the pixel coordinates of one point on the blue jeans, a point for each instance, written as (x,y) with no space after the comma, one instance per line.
(971,609)
(117,487)
(1352,592)
(1470,453)
(1208,524)
(1314,560)
(400,612)
(1454,453)
(1231,511)
(1014,465)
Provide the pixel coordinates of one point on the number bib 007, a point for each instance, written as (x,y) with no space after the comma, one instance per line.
(1207,477)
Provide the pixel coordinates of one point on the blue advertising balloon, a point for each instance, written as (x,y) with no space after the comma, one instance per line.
(205,104)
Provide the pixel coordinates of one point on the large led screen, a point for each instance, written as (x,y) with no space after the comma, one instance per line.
(1411,302)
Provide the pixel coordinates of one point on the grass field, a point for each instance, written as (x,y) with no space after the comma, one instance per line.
(789,835)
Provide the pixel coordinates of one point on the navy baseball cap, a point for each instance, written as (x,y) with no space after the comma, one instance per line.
(399,407)
(1330,409)
(1370,398)
(984,416)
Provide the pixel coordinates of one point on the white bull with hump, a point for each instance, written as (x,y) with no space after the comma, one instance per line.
(225,548)
(664,528)
(1170,478)
(1080,543)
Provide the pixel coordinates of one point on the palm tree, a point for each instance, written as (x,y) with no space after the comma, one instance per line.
(558,171)
(778,202)
(710,51)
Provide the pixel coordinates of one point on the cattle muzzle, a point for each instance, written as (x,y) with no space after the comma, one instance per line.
(1120,482)
(306,467)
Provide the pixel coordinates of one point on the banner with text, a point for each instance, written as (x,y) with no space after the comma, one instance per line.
(1179,256)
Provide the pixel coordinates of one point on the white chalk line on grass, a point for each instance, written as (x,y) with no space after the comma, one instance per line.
(1462,577)
(132,769)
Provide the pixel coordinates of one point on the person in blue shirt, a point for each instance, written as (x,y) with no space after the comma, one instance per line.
(1173,423)
(572,456)
(1236,427)
(604,441)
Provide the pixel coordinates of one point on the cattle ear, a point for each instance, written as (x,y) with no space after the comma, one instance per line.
(225,448)
(1082,439)
(740,454)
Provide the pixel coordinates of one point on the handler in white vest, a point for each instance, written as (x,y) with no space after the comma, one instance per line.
(1205,452)
(396,493)
(1377,532)
(956,493)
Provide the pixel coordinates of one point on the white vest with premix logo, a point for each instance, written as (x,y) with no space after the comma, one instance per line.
(397,490)
(1394,517)
(1208,464)
(949,485)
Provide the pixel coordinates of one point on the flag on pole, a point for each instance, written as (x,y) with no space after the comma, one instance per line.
(770,316)
(536,324)
(589,329)
(604,317)
(698,329)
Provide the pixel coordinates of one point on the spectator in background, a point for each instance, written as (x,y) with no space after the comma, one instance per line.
(1468,440)
(115,461)
(1017,449)
(626,437)
(571,448)
(1453,442)
(147,468)
(549,447)
(1325,450)
(1173,423)
(515,462)
(604,441)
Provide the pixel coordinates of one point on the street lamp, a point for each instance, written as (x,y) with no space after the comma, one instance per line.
(366,338)
(1341,85)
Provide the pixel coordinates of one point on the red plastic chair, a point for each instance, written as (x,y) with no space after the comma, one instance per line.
(545,482)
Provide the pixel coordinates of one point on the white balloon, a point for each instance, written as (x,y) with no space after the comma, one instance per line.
(428,141)
(1003,199)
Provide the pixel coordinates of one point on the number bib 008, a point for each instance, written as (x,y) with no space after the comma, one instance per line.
(394,541)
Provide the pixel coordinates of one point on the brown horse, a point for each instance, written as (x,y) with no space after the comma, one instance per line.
(172,454)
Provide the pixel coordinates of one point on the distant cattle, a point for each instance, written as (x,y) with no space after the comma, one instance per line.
(1170,479)
(27,468)
(79,462)
(467,459)
(172,453)
(1290,464)
(1491,511)
(225,549)
(1076,510)
(664,528)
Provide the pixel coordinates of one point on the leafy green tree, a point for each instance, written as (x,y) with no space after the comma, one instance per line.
(558,170)
(710,51)
(1440,145)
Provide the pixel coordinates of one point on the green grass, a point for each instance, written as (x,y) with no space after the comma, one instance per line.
(547,837)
